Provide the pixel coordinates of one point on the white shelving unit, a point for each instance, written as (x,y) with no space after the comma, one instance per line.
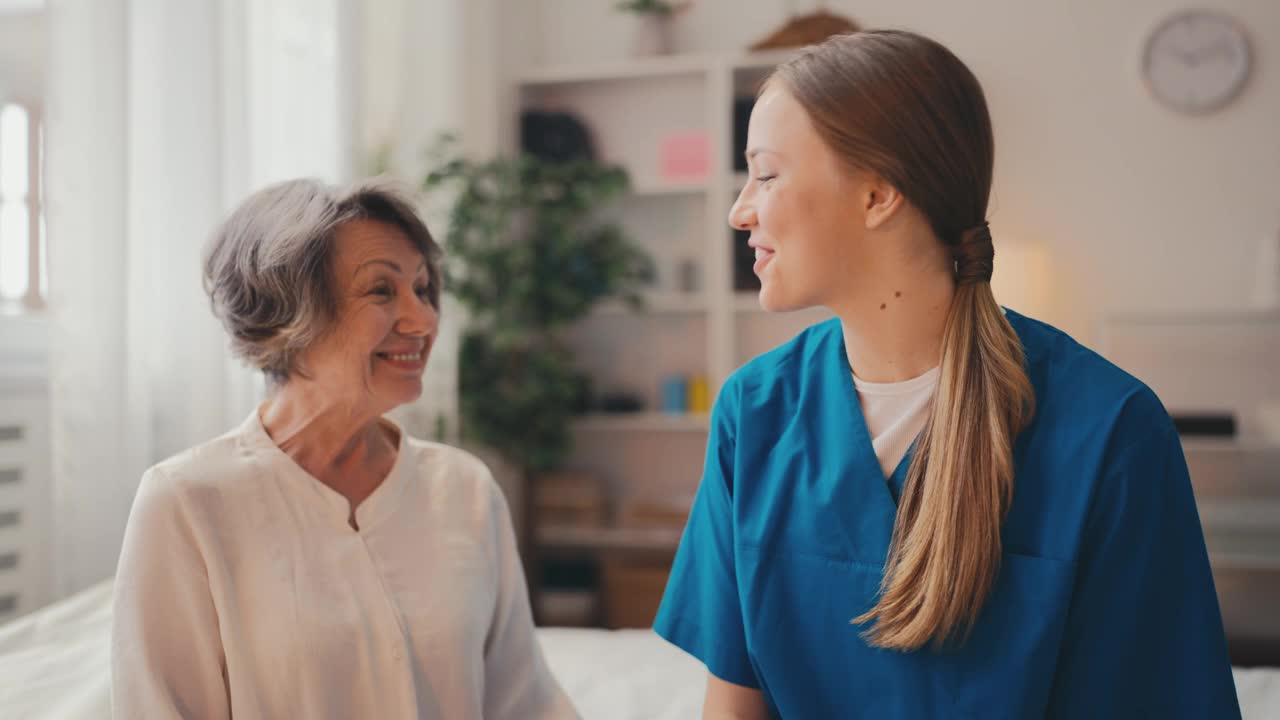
(627,539)
(629,106)
(685,187)
(644,422)
(708,330)
(657,303)
(650,67)
(616,70)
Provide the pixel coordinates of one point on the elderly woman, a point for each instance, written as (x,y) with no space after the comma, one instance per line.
(316,561)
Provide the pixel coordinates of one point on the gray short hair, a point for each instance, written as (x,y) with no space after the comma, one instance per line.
(268,267)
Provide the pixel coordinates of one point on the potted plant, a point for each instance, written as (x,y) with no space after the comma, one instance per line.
(528,253)
(654,25)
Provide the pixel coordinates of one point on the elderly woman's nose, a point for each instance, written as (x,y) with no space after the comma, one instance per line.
(416,316)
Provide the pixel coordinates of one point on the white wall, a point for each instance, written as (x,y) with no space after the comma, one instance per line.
(162,116)
(95,463)
(426,67)
(408,92)
(1138,208)
(22,55)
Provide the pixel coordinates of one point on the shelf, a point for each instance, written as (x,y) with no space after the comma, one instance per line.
(762,60)
(613,70)
(642,421)
(658,539)
(657,304)
(646,68)
(1229,445)
(658,187)
(1192,317)
(1241,516)
(1252,562)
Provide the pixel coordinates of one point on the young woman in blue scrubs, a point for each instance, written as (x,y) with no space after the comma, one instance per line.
(927,507)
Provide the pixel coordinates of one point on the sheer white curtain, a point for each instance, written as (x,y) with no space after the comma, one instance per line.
(162,114)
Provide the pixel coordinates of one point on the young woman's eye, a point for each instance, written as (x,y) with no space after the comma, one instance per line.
(765,178)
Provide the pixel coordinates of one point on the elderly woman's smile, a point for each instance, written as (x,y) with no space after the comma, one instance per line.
(414,360)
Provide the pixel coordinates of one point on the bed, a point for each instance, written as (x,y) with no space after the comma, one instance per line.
(54,663)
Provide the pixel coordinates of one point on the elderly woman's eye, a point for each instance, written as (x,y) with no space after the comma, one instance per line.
(382,290)
(423,290)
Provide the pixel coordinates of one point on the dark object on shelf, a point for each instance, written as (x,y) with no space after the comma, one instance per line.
(555,136)
(808,29)
(578,574)
(744,260)
(568,593)
(741,118)
(1205,424)
(620,402)
(583,393)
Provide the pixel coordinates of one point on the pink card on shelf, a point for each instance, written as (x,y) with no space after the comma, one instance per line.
(685,155)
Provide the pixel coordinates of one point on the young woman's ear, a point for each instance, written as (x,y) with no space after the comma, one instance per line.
(880,202)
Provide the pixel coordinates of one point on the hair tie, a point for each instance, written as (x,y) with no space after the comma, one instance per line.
(974,255)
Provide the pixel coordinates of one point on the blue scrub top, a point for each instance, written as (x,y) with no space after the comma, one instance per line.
(1104,606)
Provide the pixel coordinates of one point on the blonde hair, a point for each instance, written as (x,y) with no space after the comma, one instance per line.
(906,108)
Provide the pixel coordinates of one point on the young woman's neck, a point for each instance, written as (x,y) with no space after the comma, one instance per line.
(321,431)
(893,322)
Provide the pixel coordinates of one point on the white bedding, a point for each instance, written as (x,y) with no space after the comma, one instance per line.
(54,664)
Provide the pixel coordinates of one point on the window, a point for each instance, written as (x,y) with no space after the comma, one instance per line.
(23,273)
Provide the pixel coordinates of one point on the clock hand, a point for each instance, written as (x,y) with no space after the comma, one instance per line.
(1183,56)
(1218,48)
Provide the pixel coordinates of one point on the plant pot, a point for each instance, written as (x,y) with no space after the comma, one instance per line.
(652,35)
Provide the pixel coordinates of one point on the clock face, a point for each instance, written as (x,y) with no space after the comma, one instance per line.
(1197,61)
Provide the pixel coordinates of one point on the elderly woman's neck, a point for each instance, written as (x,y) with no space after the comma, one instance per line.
(321,431)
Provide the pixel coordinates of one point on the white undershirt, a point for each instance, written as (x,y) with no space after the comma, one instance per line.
(895,413)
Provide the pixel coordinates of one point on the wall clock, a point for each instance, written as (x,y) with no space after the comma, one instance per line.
(1196,61)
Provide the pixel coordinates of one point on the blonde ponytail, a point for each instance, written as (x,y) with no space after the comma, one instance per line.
(945,553)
